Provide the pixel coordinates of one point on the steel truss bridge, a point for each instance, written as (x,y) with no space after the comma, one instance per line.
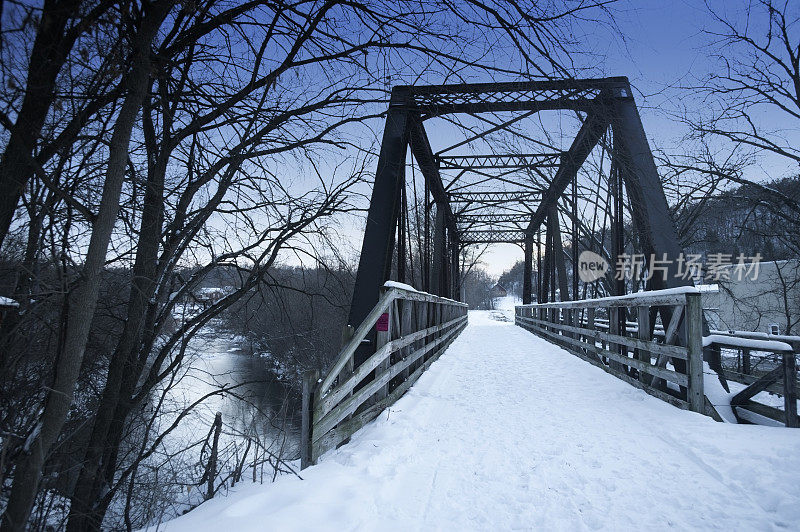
(395,333)
(506,209)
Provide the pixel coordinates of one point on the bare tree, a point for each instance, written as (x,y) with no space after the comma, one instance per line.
(213,134)
(750,105)
(85,292)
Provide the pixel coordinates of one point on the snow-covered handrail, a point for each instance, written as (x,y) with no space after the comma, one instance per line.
(771,346)
(392,292)
(666,297)
(411,329)
(781,379)
(756,335)
(627,348)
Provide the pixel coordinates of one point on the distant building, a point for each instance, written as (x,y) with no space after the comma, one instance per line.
(211,295)
(770,303)
(499,291)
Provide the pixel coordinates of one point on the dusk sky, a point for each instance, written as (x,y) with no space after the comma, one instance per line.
(665,48)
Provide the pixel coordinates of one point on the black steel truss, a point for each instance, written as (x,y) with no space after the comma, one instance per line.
(578,95)
(505,195)
(495,217)
(478,211)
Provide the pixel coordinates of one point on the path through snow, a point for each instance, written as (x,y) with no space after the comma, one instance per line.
(507,432)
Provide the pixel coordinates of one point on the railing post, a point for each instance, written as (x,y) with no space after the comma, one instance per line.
(310,379)
(424,319)
(347,335)
(382,337)
(613,328)
(643,326)
(405,329)
(569,317)
(694,343)
(746,361)
(790,389)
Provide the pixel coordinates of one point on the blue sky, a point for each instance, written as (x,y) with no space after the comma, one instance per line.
(663,47)
(664,50)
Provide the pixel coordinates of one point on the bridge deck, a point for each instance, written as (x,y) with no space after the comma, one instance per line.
(506,431)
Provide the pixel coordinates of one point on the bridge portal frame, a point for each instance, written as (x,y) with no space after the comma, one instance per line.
(606,102)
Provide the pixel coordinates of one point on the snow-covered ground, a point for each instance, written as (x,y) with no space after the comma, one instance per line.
(506,431)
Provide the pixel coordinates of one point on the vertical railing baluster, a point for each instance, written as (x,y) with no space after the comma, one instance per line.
(406,329)
(790,389)
(310,379)
(694,344)
(643,326)
(613,328)
(382,338)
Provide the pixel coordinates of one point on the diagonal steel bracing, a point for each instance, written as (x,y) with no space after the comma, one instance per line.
(504,197)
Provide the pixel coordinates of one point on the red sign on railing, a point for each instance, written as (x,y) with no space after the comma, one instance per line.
(383,323)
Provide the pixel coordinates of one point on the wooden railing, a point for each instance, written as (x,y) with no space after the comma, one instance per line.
(643,360)
(780,379)
(412,330)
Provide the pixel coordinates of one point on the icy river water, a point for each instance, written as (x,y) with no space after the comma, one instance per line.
(260,403)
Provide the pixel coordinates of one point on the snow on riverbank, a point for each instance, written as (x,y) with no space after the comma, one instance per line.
(506,431)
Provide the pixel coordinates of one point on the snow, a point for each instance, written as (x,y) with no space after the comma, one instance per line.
(758,334)
(409,288)
(401,286)
(758,419)
(716,394)
(8,302)
(746,343)
(711,288)
(679,290)
(506,431)
(507,303)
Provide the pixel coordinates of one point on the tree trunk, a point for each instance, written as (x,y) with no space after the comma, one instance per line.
(83,299)
(50,49)
(114,405)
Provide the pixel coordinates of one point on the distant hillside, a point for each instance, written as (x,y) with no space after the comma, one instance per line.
(746,219)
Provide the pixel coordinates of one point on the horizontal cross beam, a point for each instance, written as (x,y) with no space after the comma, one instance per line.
(469,162)
(493,236)
(579,95)
(481,196)
(494,217)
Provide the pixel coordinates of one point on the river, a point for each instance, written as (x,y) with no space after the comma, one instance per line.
(261,407)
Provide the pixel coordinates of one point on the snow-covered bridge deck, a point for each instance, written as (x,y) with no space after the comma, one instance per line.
(506,431)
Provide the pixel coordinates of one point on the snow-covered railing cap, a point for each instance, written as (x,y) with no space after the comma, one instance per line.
(746,343)
(402,287)
(758,335)
(667,296)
